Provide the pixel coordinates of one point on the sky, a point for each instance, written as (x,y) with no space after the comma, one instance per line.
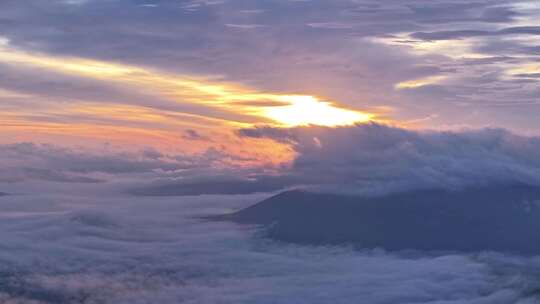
(184,75)
(182,83)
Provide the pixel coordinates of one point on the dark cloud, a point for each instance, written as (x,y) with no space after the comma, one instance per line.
(461,11)
(368,159)
(23,174)
(191,134)
(278,134)
(375,158)
(451,35)
(23,162)
(212,185)
(505,47)
(74,160)
(528,75)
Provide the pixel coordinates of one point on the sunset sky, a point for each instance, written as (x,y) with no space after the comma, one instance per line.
(175,90)
(184,76)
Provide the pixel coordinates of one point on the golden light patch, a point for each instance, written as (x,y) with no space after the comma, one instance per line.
(530,68)
(455,48)
(308,110)
(416,83)
(11,94)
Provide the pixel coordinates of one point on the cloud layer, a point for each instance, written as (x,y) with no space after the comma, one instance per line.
(366,158)
(378,158)
(66,240)
(95,248)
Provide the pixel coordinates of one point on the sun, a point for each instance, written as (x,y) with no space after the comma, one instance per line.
(308,110)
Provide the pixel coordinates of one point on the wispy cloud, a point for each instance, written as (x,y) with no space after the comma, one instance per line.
(127,99)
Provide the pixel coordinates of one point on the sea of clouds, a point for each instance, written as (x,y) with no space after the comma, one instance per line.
(74,230)
(90,246)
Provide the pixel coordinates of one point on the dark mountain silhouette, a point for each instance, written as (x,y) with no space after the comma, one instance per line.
(499,218)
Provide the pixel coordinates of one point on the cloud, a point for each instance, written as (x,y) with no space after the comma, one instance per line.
(366,158)
(191,134)
(13,175)
(55,157)
(349,65)
(146,172)
(528,75)
(74,236)
(378,158)
(244,26)
(95,248)
(331,25)
(23,162)
(451,35)
(441,12)
(211,184)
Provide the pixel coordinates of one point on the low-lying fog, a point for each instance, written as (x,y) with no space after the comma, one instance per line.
(89,245)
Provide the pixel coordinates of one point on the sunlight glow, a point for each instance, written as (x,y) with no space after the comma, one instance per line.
(416,83)
(530,68)
(237,100)
(451,48)
(308,110)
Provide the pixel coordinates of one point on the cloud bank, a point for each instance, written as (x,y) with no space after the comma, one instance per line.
(27,162)
(92,248)
(362,159)
(379,158)
(73,242)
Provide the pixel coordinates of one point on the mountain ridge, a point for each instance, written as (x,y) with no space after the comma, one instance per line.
(502,218)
